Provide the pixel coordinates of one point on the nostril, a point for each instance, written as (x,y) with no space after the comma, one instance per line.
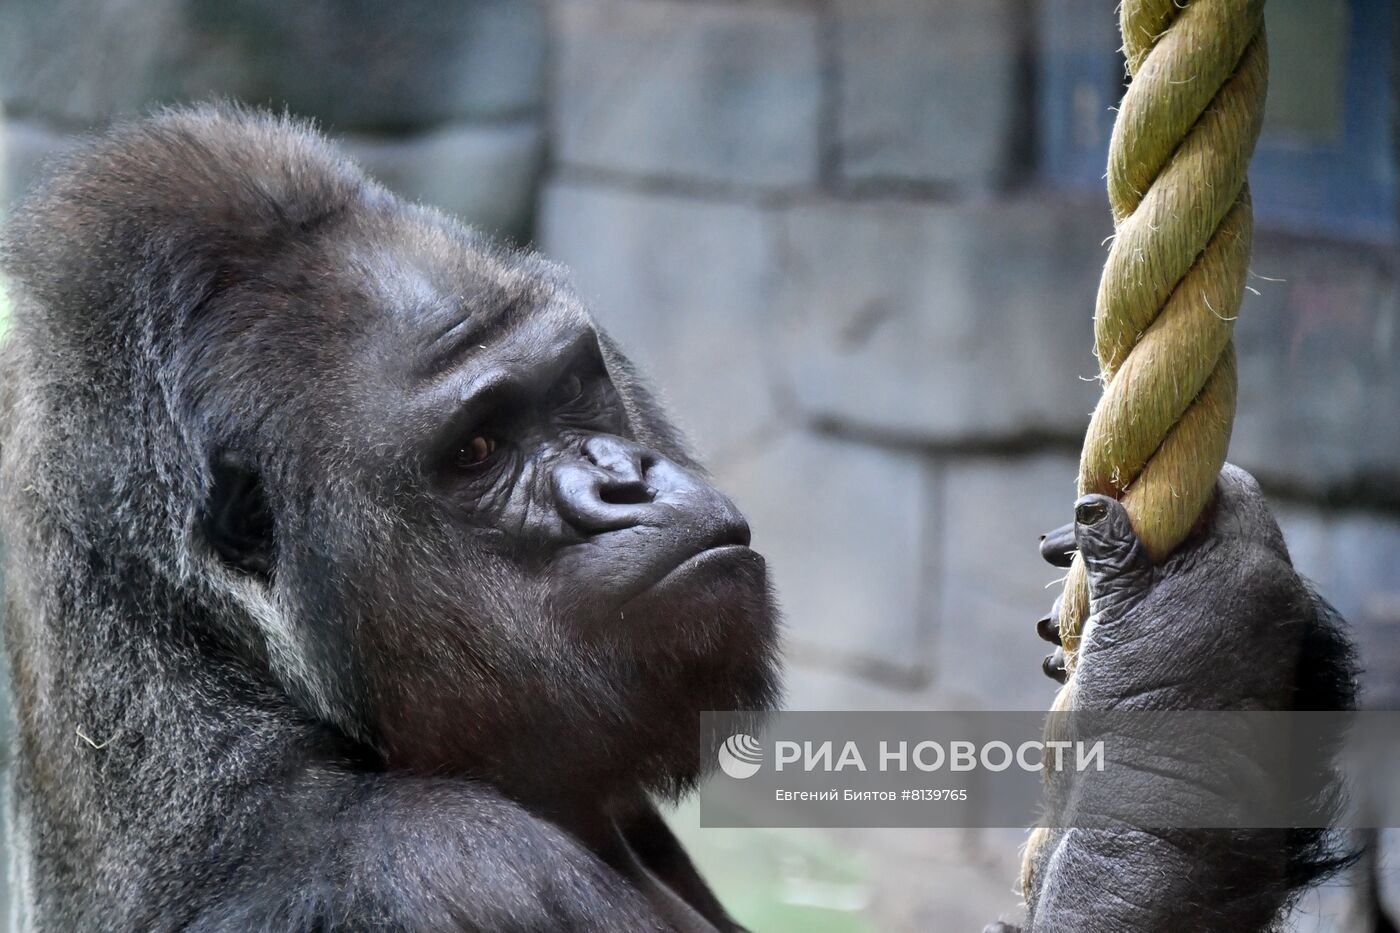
(626,493)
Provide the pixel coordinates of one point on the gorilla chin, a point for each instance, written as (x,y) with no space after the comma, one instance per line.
(707,628)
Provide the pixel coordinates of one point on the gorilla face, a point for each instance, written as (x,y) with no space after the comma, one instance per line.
(497,550)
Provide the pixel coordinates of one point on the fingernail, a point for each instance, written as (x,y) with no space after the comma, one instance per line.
(1048,629)
(1091,512)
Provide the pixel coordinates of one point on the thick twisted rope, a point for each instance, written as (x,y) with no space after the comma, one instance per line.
(1174,278)
(1175,275)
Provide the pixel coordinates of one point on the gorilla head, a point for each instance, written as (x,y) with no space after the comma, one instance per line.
(272,414)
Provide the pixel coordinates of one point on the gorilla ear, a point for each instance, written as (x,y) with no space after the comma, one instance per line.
(237,520)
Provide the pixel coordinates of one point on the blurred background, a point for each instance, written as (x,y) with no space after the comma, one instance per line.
(856,245)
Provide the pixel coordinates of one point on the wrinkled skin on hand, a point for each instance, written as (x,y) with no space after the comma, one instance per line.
(1225,623)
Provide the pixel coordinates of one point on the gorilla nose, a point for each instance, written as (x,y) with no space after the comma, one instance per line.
(624,467)
(605,488)
(615,484)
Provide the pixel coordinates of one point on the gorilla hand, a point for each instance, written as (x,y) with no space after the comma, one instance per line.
(1225,623)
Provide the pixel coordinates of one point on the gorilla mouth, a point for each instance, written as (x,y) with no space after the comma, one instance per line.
(707,557)
(717,560)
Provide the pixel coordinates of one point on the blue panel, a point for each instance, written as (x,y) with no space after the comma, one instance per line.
(1079,80)
(1347,187)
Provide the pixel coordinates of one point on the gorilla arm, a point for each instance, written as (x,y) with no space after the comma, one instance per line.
(331,848)
(1224,624)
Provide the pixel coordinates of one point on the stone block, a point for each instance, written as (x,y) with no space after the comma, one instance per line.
(1337,906)
(355,64)
(686,287)
(1319,404)
(485,174)
(843,527)
(84,60)
(366,65)
(725,93)
(827,686)
(1364,582)
(1354,559)
(928,91)
(1388,872)
(944,324)
(991,582)
(1305,531)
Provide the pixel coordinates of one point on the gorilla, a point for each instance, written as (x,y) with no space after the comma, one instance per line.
(1223,624)
(355,582)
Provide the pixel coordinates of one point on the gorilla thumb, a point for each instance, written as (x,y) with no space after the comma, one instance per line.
(1118,567)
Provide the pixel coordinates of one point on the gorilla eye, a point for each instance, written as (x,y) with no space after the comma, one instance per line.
(476,451)
(569,389)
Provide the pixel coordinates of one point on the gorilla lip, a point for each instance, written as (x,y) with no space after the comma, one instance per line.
(710,555)
(718,552)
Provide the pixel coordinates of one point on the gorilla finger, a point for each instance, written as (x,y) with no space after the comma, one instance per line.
(1057,547)
(1048,627)
(1239,485)
(1115,559)
(1054,666)
(1242,512)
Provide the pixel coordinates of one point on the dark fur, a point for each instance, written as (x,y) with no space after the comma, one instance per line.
(1223,624)
(371,723)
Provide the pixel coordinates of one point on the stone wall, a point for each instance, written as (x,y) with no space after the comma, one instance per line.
(441,100)
(834,255)
(821,226)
